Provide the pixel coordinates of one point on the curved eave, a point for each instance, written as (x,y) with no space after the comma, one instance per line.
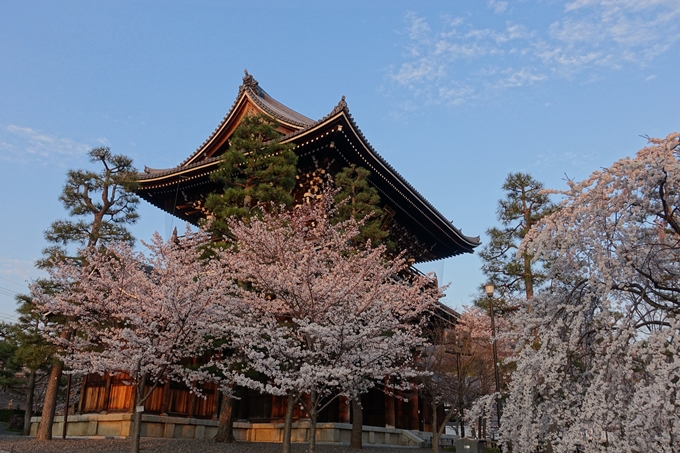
(389,175)
(250,93)
(305,133)
(444,224)
(446,313)
(163,178)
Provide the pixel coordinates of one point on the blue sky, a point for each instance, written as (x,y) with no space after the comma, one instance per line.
(454,94)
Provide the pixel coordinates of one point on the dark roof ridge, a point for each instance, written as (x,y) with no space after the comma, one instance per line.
(241,89)
(472,240)
(249,84)
(154,172)
(270,105)
(252,87)
(340,107)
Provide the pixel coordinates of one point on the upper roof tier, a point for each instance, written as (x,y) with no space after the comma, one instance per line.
(336,140)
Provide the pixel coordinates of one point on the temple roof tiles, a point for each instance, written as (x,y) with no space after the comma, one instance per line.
(301,125)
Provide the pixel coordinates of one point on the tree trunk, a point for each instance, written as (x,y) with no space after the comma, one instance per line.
(528,276)
(50,403)
(225,428)
(30,389)
(288,422)
(313,415)
(137,415)
(435,429)
(357,424)
(51,393)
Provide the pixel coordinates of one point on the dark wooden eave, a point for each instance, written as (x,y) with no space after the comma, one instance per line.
(334,138)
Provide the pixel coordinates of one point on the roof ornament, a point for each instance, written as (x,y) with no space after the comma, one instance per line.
(149,170)
(342,105)
(249,80)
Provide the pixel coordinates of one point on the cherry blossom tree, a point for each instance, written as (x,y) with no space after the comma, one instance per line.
(334,318)
(598,359)
(459,368)
(139,315)
(100,205)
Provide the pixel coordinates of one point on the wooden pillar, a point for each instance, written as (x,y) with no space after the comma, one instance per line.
(243,404)
(390,421)
(278,408)
(343,409)
(217,403)
(414,415)
(426,417)
(192,404)
(107,394)
(401,417)
(133,400)
(303,412)
(81,402)
(166,398)
(267,407)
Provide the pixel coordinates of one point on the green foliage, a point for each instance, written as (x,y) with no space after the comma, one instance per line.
(255,171)
(525,203)
(8,365)
(33,351)
(6,414)
(100,204)
(357,200)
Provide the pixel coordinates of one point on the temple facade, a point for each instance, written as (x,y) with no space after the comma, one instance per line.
(325,145)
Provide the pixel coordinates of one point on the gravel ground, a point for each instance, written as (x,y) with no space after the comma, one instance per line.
(30,445)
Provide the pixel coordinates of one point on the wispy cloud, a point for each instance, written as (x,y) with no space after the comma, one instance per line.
(15,272)
(453,60)
(25,144)
(616,32)
(15,275)
(498,7)
(575,160)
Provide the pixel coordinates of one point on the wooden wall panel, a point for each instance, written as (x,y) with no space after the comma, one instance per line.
(94,398)
(120,397)
(154,403)
(205,405)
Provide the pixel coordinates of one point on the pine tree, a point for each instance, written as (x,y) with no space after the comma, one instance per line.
(8,366)
(100,205)
(32,351)
(524,205)
(103,202)
(356,200)
(256,170)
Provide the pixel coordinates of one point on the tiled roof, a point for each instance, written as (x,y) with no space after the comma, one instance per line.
(251,88)
(154,172)
(271,105)
(263,100)
(342,106)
